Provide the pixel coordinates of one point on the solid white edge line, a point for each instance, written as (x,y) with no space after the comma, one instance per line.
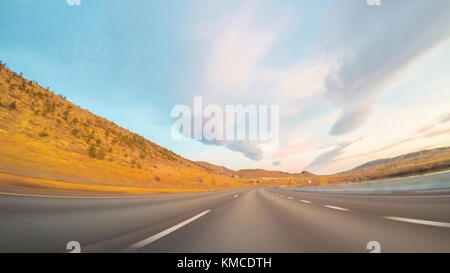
(336,208)
(418,221)
(167,231)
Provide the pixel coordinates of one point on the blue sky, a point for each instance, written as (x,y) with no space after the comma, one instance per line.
(354,82)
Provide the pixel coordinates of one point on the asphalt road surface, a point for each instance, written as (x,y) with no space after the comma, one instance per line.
(257,220)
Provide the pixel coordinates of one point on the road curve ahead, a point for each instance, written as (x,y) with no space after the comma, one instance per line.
(258,220)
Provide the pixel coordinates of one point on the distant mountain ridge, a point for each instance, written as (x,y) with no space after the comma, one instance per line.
(416,163)
(421,162)
(412,157)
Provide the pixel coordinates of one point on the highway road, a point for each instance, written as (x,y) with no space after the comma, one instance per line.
(256,220)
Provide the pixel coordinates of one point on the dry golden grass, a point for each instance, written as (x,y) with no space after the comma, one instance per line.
(12,180)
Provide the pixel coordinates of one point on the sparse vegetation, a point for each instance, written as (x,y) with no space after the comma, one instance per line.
(12,106)
(62,96)
(101,154)
(75,132)
(91,151)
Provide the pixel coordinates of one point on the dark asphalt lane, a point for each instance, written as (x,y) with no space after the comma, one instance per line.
(263,221)
(257,220)
(41,224)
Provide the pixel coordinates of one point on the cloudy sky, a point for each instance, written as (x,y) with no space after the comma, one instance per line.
(353,82)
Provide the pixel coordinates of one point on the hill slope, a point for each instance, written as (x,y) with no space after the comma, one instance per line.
(418,163)
(404,165)
(439,156)
(42,133)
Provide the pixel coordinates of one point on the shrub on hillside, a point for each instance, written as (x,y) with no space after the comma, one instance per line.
(91,151)
(101,154)
(75,132)
(12,106)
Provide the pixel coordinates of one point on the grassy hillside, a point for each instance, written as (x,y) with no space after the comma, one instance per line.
(43,134)
(417,163)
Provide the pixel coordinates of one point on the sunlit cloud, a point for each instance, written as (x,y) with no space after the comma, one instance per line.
(326,158)
(277,163)
(444,118)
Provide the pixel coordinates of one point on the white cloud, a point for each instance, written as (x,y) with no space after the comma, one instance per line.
(374,45)
(234,56)
(323,161)
(235,72)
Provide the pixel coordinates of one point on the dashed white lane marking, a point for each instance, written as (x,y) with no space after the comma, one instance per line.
(167,231)
(282,195)
(290,197)
(305,201)
(336,208)
(237,195)
(417,221)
